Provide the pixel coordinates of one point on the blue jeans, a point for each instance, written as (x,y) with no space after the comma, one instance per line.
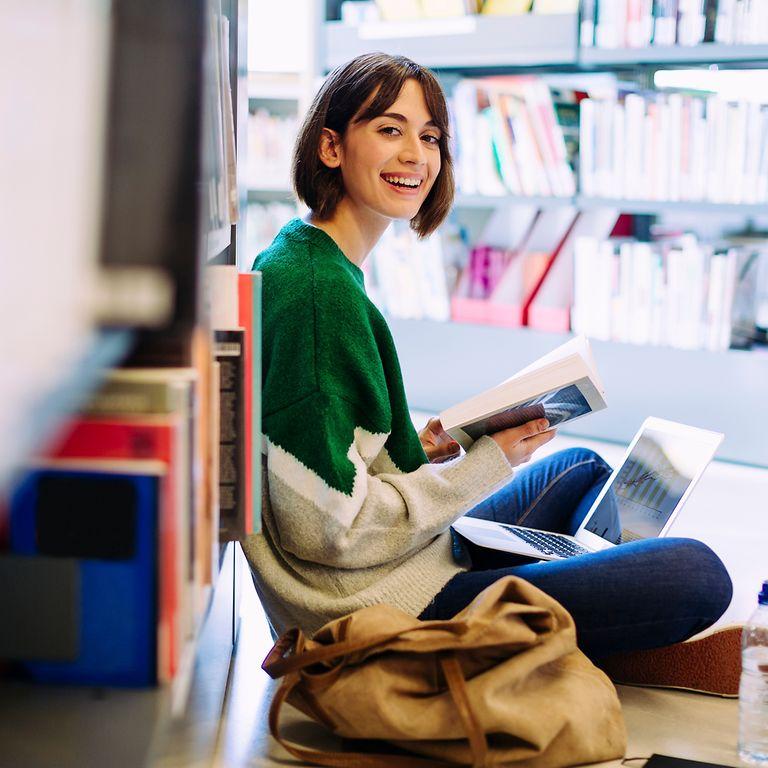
(643,594)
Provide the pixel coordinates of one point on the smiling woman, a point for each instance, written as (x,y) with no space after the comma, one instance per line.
(376,131)
(359,506)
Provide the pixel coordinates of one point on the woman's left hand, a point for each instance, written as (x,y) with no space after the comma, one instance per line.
(437,443)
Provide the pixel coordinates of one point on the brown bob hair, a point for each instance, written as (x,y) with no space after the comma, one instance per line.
(337,103)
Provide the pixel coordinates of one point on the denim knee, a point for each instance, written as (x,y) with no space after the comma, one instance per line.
(709,586)
(571,456)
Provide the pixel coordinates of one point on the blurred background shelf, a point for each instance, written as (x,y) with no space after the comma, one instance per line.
(642,207)
(473,42)
(274,86)
(708,53)
(270,195)
(445,363)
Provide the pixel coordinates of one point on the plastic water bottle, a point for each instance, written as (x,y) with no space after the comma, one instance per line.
(753,688)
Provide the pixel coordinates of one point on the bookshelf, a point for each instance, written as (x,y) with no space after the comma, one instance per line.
(472,42)
(146,219)
(639,207)
(715,389)
(704,53)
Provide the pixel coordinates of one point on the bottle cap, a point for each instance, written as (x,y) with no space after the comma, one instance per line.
(762,597)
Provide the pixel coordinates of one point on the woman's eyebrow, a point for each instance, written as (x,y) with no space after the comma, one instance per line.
(403,119)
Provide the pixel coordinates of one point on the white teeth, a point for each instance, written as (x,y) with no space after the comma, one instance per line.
(401,180)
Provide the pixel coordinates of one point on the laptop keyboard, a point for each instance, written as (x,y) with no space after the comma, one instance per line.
(548,543)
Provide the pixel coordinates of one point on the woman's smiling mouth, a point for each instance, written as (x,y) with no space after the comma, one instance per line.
(402,183)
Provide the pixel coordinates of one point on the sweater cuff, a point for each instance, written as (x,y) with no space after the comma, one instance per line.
(480,472)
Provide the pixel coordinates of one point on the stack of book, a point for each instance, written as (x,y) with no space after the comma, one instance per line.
(674,146)
(640,23)
(682,293)
(510,138)
(128,501)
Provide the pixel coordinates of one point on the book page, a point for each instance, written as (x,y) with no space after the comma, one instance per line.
(557,406)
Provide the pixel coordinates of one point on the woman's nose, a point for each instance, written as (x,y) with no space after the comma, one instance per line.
(412,150)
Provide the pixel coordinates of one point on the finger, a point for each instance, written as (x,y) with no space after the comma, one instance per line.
(536,441)
(529,429)
(447,450)
(447,457)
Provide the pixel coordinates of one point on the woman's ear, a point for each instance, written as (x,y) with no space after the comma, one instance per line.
(329,150)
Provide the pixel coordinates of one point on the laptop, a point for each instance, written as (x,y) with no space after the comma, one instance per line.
(640,499)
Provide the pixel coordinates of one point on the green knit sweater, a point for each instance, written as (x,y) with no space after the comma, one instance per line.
(353,513)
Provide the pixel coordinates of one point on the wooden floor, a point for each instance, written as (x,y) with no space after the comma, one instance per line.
(726,511)
(677,723)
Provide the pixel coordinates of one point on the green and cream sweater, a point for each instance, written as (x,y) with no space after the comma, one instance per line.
(353,513)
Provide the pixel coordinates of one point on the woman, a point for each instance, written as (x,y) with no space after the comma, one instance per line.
(355,513)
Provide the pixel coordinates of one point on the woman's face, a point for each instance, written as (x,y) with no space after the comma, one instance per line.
(390,163)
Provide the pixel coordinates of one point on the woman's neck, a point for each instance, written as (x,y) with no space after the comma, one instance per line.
(352,230)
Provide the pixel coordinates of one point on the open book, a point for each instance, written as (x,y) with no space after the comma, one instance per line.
(561,386)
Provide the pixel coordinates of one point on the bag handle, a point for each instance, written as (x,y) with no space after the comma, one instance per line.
(457,685)
(339,759)
(277,664)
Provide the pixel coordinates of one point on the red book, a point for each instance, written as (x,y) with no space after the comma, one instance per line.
(159,438)
(245,318)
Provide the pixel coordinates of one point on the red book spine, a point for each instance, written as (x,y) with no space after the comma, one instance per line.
(245,319)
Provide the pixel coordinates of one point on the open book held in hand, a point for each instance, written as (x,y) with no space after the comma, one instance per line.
(561,386)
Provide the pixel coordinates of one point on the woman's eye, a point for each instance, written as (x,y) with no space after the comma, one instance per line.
(389,130)
(430,139)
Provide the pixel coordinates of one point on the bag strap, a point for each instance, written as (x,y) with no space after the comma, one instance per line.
(339,759)
(278,664)
(454,677)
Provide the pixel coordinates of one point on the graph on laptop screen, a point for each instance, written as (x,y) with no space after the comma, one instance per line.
(651,482)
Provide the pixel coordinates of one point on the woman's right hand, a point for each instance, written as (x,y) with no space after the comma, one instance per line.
(520,443)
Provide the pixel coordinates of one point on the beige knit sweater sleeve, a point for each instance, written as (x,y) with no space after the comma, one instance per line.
(389,514)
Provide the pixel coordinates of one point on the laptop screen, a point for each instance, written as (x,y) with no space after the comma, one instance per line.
(649,486)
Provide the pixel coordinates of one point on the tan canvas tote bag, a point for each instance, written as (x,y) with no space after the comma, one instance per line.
(501,683)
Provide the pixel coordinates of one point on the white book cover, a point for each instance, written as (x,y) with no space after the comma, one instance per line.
(626,308)
(715,296)
(762,172)
(634,119)
(641,288)
(584,270)
(604,290)
(603,148)
(649,152)
(610,31)
(561,386)
(698,151)
(752,152)
(674,144)
(464,103)
(586,147)
(724,23)
(618,147)
(736,133)
(661,152)
(729,292)
(658,298)
(717,149)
